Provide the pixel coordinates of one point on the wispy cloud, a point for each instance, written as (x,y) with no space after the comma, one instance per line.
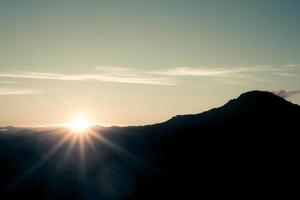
(123,77)
(213,71)
(292,65)
(168,76)
(286,74)
(15,91)
(6,82)
(285,93)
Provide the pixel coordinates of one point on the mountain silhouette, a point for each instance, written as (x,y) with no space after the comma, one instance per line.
(247,148)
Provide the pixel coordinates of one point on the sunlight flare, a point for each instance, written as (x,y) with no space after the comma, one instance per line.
(79,125)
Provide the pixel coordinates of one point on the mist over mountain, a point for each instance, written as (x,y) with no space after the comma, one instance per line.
(246,148)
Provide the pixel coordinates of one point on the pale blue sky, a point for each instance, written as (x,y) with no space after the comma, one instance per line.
(137,62)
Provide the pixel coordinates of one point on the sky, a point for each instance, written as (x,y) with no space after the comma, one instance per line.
(139,62)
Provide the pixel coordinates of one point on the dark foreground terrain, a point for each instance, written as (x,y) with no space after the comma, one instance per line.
(246,148)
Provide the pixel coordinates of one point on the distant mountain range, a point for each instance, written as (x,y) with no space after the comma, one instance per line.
(247,148)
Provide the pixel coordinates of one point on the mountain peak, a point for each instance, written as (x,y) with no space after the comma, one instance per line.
(259,94)
(259,100)
(248,102)
(259,97)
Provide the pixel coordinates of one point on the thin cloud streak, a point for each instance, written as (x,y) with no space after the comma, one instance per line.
(14,91)
(214,72)
(165,77)
(286,74)
(6,82)
(103,77)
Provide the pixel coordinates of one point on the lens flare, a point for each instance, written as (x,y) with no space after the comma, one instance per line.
(79,125)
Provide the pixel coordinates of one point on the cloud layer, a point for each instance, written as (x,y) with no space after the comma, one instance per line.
(14,91)
(168,76)
(124,77)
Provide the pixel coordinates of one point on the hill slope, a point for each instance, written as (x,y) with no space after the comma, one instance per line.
(246,148)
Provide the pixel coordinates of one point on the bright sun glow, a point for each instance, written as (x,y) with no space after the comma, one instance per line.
(80,125)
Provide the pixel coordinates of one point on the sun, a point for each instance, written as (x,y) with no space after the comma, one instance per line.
(79,125)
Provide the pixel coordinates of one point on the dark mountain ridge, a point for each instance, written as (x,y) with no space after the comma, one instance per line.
(246,148)
(246,104)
